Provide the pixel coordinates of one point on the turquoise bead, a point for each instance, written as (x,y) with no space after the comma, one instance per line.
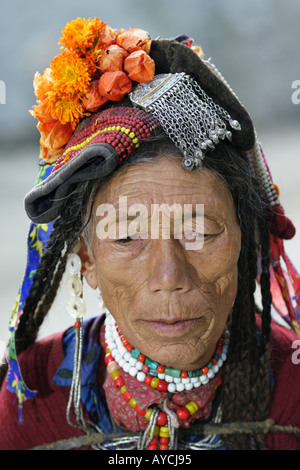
(151,364)
(194,373)
(135,353)
(172,372)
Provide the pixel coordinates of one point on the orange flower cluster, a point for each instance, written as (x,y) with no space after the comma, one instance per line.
(97,64)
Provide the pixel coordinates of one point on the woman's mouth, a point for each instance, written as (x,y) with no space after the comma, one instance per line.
(171,327)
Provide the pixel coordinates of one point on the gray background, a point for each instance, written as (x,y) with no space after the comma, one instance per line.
(254,43)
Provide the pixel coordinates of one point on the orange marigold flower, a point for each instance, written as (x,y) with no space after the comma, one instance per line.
(82,34)
(40,111)
(139,67)
(54,137)
(70,73)
(91,58)
(42,84)
(134,40)
(67,108)
(112,59)
(114,85)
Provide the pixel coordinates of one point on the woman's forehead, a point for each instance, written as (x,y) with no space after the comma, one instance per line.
(164,179)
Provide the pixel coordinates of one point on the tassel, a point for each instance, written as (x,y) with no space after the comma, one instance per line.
(281,225)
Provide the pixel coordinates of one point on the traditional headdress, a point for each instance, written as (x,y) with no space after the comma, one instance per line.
(107,92)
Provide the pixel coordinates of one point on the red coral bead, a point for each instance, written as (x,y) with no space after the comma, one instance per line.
(127,395)
(108,358)
(154,441)
(119,382)
(139,411)
(148,379)
(183,413)
(162,386)
(162,419)
(164,440)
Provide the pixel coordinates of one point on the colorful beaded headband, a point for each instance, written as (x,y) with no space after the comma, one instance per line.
(101,143)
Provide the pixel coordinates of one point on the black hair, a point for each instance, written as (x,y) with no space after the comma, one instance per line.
(245,393)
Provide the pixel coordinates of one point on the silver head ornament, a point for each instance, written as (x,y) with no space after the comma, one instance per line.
(186,113)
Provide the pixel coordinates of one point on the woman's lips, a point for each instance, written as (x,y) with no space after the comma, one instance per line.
(171,327)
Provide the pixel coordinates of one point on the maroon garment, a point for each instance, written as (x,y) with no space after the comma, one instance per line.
(285,405)
(45,415)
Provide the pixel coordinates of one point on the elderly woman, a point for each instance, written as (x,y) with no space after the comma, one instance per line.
(154,189)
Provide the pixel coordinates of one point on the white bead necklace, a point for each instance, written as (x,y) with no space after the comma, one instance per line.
(171,380)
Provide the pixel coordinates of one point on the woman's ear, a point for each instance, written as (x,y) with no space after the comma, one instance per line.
(88,267)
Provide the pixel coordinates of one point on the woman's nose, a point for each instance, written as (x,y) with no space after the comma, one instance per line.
(170,268)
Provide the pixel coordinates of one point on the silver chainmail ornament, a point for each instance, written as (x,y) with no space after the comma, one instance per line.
(187,114)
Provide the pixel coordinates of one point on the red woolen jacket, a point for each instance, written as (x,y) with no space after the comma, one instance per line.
(45,415)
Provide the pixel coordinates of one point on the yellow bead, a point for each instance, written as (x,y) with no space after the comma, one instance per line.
(132,135)
(164,431)
(192,407)
(123,389)
(154,382)
(115,373)
(155,432)
(107,351)
(132,402)
(148,413)
(127,131)
(135,140)
(123,129)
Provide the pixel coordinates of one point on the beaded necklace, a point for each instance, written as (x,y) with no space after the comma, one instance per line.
(119,354)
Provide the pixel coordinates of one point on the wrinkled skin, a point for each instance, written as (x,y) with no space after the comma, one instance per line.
(170,303)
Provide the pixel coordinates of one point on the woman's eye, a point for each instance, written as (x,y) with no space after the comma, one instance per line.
(124,241)
(195,236)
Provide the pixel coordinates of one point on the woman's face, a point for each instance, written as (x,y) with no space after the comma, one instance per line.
(170,299)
